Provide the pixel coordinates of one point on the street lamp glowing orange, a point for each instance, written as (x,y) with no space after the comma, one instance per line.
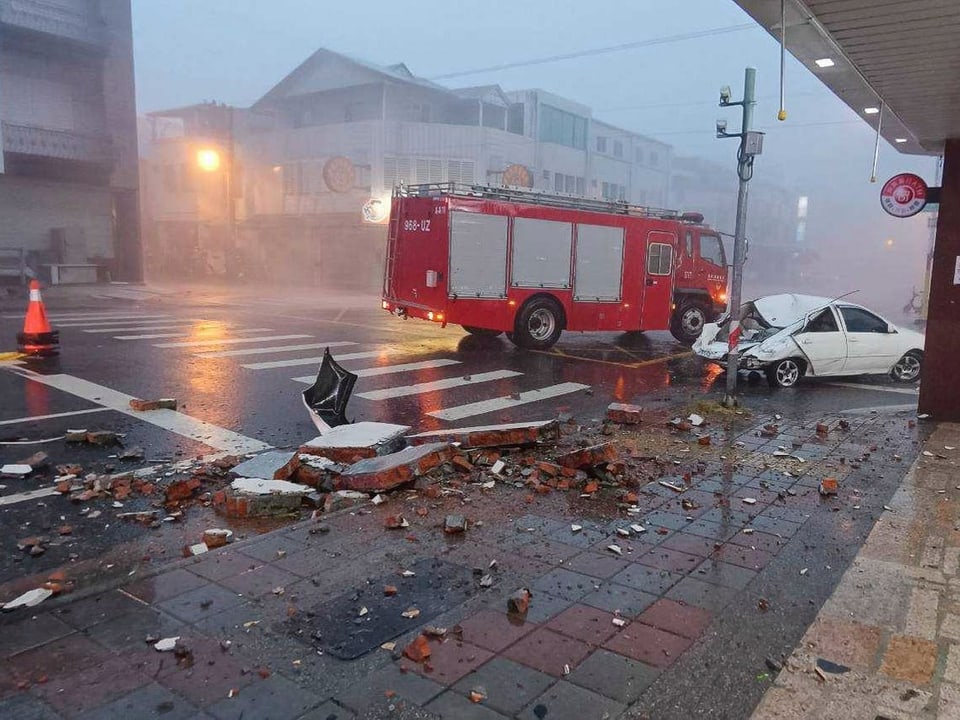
(208,160)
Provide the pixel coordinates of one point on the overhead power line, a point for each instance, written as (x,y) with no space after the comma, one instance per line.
(649,42)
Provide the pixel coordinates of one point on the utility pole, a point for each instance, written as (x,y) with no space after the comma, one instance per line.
(751,144)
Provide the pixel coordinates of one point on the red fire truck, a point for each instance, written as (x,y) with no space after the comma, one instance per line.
(497,260)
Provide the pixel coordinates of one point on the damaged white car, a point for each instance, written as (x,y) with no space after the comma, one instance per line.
(789,336)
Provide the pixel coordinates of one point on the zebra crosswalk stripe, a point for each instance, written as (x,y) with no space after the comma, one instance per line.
(388,369)
(267,350)
(269,365)
(502,403)
(230,341)
(445,384)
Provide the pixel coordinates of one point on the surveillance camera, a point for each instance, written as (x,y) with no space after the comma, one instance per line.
(725,94)
(721,128)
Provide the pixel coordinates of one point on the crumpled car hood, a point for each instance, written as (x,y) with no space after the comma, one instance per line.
(788,308)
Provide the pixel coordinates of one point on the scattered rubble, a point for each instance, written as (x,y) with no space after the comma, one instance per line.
(519,602)
(624,414)
(148,405)
(488,436)
(256,497)
(31,598)
(15,470)
(349,443)
(454,524)
(828,486)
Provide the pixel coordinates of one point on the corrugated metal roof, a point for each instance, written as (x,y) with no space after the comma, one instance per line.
(903,53)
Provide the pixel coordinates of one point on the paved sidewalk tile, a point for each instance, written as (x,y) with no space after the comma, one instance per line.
(272,548)
(596,565)
(453,705)
(648,579)
(565,584)
(585,623)
(32,632)
(24,706)
(449,661)
(493,630)
(725,574)
(614,676)
(275,698)
(566,701)
(687,621)
(649,645)
(96,609)
(329,711)
(259,581)
(201,603)
(670,560)
(548,652)
(620,599)
(165,585)
(509,686)
(93,686)
(223,563)
(149,701)
(370,690)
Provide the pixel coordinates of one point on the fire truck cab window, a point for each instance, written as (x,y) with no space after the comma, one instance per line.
(659,259)
(688,244)
(711,250)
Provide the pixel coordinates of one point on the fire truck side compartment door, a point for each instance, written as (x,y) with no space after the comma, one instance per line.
(478,255)
(541,253)
(598,275)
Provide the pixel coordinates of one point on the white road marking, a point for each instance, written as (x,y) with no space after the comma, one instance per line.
(136,328)
(187,333)
(265,350)
(233,341)
(876,388)
(445,384)
(34,418)
(503,403)
(879,409)
(314,360)
(176,422)
(105,316)
(28,495)
(125,322)
(388,369)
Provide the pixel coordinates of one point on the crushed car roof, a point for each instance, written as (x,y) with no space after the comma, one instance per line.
(786,309)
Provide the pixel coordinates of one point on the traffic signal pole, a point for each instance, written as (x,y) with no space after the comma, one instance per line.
(751,144)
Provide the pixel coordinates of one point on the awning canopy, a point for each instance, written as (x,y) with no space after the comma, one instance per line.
(899,55)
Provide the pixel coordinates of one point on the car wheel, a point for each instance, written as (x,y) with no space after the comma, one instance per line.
(785,373)
(538,324)
(482,332)
(907,369)
(687,322)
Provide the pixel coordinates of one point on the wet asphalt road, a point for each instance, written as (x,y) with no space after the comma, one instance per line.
(114,341)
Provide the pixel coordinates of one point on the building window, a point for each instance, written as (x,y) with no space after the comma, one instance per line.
(601,144)
(581,186)
(563,128)
(558,182)
(654,158)
(639,156)
(546,177)
(605,191)
(569,184)
(460,171)
(396,171)
(292,178)
(617,149)
(515,119)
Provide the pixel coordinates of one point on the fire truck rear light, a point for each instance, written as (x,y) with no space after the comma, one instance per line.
(430,315)
(512,303)
(722,297)
(385,305)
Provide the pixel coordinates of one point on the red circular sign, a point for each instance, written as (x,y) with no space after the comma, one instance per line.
(904,195)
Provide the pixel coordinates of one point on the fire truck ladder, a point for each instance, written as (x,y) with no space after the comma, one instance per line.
(486,192)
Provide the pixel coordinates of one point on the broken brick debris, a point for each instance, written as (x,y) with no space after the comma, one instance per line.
(829,486)
(624,414)
(418,650)
(37,461)
(15,470)
(589,457)
(386,472)
(217,537)
(490,436)
(147,405)
(357,441)
(313,470)
(395,522)
(341,499)
(181,490)
(389,590)
(102,438)
(256,497)
(519,602)
(454,524)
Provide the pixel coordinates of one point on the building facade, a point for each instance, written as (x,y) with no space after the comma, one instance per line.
(312,164)
(69,161)
(776,218)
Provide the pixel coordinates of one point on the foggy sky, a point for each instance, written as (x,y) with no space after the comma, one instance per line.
(233,51)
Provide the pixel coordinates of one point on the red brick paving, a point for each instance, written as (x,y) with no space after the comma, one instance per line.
(493,630)
(450,660)
(585,623)
(688,621)
(648,644)
(671,560)
(548,652)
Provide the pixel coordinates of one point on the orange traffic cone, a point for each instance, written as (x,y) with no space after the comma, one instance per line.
(37,338)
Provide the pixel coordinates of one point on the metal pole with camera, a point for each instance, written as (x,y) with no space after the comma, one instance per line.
(751,144)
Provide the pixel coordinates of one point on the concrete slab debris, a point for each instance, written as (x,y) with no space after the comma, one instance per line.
(15,470)
(483,436)
(264,465)
(348,443)
(259,486)
(624,414)
(378,474)
(340,499)
(31,598)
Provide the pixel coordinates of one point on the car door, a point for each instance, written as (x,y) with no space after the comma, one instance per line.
(871,348)
(823,342)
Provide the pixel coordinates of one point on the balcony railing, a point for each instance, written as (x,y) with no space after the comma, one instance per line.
(71,19)
(59,144)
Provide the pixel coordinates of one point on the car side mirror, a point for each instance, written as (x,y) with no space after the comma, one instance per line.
(891,328)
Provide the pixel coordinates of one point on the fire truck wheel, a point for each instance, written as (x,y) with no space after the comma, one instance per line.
(688,321)
(538,324)
(482,332)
